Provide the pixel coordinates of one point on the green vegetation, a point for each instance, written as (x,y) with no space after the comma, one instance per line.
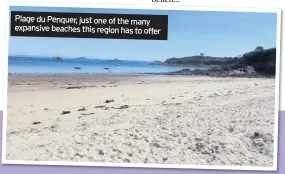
(202,60)
(262,60)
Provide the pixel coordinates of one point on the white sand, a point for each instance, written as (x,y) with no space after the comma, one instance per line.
(173,120)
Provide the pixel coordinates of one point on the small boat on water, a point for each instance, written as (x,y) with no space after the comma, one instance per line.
(106,68)
(77,67)
(59,59)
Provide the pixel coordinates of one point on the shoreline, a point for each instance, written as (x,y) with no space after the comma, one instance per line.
(232,71)
(168,74)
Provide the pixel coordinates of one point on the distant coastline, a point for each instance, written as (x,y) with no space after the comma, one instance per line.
(51,65)
(80,58)
(257,63)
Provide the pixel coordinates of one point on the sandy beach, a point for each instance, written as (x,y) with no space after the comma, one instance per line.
(141,119)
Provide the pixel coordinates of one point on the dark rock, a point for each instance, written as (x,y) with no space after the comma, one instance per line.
(65,112)
(199,146)
(231,129)
(82,109)
(100,107)
(222,71)
(123,107)
(54,126)
(198,139)
(36,122)
(109,101)
(155,145)
(145,160)
(87,113)
(258,143)
(127,160)
(256,135)
(75,87)
(101,152)
(79,87)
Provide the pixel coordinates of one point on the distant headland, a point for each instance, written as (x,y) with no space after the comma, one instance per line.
(259,62)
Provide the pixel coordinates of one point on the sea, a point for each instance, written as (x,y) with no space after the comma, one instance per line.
(48,65)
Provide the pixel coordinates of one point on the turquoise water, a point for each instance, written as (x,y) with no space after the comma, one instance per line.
(36,65)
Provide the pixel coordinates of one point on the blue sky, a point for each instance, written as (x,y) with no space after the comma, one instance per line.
(224,34)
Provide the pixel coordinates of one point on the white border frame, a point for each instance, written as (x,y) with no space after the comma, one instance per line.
(159,6)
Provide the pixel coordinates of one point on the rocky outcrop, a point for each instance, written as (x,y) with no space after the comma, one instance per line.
(225,71)
(202,61)
(262,60)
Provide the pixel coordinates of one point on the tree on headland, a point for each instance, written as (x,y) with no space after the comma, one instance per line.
(201,54)
(259,48)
